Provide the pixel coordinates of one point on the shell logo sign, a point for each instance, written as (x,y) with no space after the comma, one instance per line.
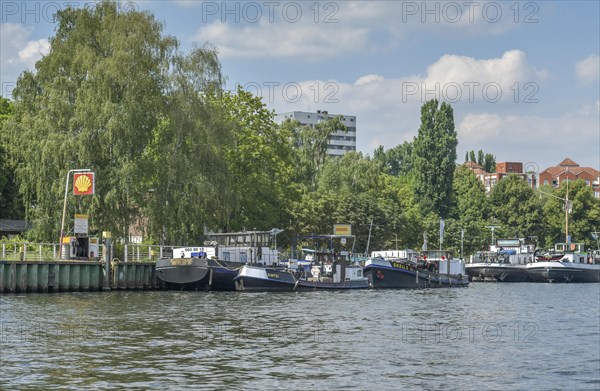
(83,184)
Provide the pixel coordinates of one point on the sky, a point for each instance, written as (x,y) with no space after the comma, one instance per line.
(522,77)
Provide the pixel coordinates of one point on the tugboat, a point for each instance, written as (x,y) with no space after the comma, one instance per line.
(214,266)
(574,265)
(430,269)
(329,270)
(505,262)
(189,271)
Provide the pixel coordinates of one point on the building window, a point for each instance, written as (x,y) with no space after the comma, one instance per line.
(546,182)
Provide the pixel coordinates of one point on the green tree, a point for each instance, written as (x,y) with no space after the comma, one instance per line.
(480,158)
(311,147)
(261,166)
(486,160)
(469,212)
(10,202)
(516,208)
(489,163)
(112,86)
(434,158)
(396,161)
(583,218)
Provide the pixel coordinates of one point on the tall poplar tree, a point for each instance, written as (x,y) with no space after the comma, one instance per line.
(434,158)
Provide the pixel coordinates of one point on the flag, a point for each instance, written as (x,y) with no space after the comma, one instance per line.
(442,224)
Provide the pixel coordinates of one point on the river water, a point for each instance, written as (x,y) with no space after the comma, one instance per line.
(487,336)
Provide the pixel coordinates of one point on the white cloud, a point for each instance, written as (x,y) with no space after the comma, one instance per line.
(368,79)
(458,80)
(270,40)
(18,53)
(588,70)
(313,30)
(508,129)
(33,51)
(544,140)
(475,128)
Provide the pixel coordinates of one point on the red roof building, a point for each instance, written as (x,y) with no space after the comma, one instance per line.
(568,169)
(503,169)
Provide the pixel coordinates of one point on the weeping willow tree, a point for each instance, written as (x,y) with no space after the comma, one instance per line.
(114,94)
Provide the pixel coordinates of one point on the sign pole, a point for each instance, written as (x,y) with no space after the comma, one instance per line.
(62,224)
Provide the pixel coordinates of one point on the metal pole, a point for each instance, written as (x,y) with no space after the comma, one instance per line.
(462,238)
(493,227)
(369,238)
(567,211)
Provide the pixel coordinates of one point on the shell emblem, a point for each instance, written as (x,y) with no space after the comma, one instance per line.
(84,184)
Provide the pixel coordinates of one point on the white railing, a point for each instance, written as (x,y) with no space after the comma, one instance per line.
(26,251)
(146,253)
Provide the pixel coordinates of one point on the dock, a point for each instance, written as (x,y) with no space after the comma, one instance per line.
(38,270)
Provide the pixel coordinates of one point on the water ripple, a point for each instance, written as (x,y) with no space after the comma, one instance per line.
(487,336)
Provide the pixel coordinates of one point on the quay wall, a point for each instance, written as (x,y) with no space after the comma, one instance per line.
(75,276)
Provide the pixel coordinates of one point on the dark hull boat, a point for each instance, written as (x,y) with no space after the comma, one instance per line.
(505,262)
(183,273)
(197,273)
(258,279)
(563,272)
(383,273)
(214,265)
(574,265)
(497,272)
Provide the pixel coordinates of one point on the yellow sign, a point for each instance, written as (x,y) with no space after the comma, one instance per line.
(342,229)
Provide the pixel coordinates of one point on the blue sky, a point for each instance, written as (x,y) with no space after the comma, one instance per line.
(523,77)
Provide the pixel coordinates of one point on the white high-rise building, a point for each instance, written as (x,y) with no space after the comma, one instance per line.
(340,142)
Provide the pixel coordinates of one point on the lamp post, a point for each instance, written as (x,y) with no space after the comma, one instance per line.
(62,224)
